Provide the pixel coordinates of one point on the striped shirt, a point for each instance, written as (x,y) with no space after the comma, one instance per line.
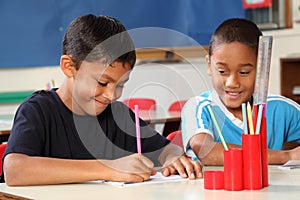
(283,120)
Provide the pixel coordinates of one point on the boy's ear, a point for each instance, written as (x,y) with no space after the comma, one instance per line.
(208,65)
(67,65)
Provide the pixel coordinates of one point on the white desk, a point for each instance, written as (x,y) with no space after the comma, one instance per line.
(284,184)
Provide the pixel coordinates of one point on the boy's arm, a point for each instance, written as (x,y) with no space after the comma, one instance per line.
(211,153)
(20,169)
(208,151)
(279,157)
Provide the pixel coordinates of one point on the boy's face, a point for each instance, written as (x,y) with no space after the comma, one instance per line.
(97,84)
(233,69)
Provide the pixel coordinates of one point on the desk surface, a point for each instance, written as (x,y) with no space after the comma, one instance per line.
(284,184)
(160,116)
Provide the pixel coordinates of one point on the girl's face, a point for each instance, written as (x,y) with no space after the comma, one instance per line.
(96,85)
(232,67)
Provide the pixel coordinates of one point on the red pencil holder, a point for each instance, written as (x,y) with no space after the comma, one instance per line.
(251,145)
(264,153)
(213,179)
(233,169)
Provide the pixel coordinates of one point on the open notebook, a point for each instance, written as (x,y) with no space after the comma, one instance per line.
(291,164)
(157,178)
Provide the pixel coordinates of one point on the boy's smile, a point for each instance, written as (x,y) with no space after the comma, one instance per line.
(100,85)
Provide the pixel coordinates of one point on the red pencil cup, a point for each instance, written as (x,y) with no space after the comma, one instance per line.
(264,153)
(213,180)
(251,145)
(233,169)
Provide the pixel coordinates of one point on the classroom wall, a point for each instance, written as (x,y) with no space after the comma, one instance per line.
(168,82)
(285,44)
(161,76)
(164,82)
(31,30)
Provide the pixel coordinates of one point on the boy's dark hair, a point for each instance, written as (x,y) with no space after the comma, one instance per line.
(94,38)
(236,30)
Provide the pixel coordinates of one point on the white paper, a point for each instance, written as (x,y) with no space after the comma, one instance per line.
(157,178)
(291,164)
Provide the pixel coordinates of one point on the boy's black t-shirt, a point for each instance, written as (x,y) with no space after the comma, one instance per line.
(44,126)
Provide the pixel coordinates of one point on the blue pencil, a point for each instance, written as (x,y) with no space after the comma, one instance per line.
(245,118)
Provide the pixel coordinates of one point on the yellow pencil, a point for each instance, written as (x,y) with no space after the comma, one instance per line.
(250,121)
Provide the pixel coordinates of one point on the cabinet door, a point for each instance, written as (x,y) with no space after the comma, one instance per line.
(290,77)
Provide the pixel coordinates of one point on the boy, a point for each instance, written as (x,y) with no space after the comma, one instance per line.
(79,132)
(231,63)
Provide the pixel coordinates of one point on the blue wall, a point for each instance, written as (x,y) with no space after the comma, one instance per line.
(31,31)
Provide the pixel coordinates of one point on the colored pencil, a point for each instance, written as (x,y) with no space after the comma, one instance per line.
(244,112)
(217,127)
(259,118)
(138,129)
(250,121)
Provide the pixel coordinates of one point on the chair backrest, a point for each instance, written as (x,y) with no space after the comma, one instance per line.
(177,105)
(2,150)
(143,103)
(176,138)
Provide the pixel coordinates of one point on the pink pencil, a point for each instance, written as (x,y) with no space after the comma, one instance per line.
(137,127)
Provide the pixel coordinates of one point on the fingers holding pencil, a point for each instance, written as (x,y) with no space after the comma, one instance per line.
(133,168)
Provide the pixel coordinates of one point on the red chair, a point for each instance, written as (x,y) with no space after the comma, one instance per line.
(173,126)
(176,138)
(143,103)
(177,105)
(2,150)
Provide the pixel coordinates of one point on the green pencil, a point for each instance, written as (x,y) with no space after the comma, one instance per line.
(217,127)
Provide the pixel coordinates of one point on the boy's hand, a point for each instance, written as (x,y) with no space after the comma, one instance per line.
(133,168)
(294,154)
(185,167)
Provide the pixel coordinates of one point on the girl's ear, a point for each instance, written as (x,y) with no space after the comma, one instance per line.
(67,65)
(208,65)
